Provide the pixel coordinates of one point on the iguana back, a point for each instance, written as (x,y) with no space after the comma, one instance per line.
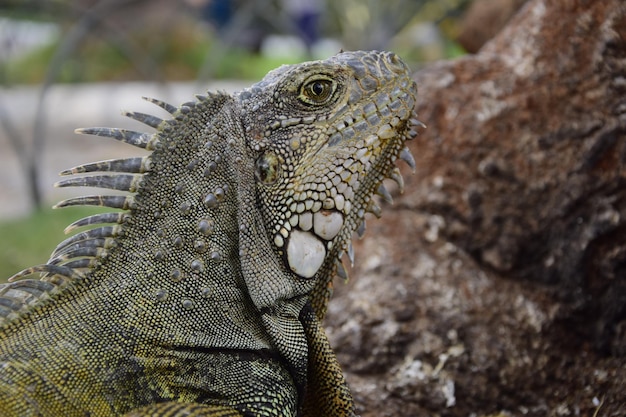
(203,292)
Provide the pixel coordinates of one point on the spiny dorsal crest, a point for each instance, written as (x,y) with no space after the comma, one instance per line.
(74,258)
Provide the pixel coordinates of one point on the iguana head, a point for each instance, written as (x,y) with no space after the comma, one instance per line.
(324,136)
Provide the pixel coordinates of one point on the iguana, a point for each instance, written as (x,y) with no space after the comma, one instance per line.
(203,294)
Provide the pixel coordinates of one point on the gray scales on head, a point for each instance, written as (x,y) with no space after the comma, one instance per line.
(231,230)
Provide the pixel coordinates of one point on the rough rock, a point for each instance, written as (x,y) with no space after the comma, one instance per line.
(483,19)
(496,285)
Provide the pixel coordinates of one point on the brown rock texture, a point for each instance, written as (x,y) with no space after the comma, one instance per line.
(496,285)
(483,19)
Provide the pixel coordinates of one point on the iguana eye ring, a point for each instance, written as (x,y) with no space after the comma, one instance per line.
(267,168)
(317,91)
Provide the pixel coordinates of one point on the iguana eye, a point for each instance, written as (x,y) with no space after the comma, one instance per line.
(267,168)
(317,91)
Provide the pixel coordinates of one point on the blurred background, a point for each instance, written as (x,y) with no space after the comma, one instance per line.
(76,63)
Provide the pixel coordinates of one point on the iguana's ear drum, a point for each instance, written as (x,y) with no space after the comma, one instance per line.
(268,168)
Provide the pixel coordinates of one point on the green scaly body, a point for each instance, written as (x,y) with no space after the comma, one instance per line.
(203,294)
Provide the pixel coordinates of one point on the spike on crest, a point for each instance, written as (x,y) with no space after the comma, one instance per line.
(98,234)
(102,218)
(165,106)
(375,209)
(414,125)
(351,254)
(397,177)
(407,157)
(112,201)
(78,252)
(360,231)
(60,270)
(83,263)
(341,270)
(144,118)
(135,165)
(139,139)
(120,182)
(384,193)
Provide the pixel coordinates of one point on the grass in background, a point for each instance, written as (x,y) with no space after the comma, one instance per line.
(30,240)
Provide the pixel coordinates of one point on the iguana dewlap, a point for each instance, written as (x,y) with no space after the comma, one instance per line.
(202,293)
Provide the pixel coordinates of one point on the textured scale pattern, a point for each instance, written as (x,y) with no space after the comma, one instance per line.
(202,293)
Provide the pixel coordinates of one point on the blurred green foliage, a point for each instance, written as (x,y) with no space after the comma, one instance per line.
(176,57)
(166,41)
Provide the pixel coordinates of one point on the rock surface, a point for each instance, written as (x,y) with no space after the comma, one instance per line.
(483,19)
(496,285)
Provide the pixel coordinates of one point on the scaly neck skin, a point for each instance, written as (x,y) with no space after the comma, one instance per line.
(277,293)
